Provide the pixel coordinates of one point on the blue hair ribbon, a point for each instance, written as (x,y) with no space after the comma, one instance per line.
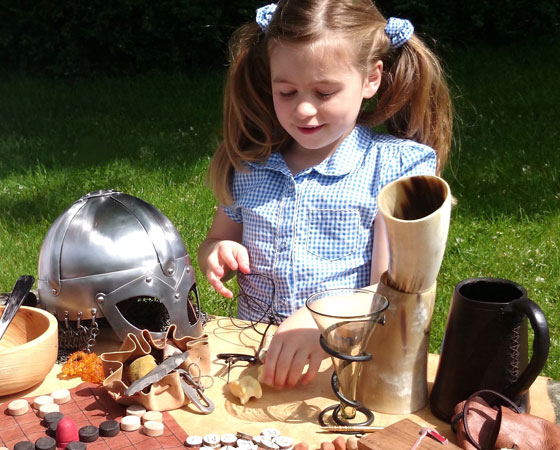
(399,31)
(264,15)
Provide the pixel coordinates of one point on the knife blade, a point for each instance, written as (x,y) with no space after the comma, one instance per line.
(156,374)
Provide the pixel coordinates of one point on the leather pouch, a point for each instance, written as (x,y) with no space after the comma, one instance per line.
(482,422)
(168,393)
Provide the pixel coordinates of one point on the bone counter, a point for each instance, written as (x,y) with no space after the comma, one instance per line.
(293,411)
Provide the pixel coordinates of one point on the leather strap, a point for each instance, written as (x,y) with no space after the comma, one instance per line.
(496,404)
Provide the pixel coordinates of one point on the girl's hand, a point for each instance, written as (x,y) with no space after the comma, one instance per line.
(223,258)
(221,253)
(295,344)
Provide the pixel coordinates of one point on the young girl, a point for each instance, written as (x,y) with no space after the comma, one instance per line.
(299,170)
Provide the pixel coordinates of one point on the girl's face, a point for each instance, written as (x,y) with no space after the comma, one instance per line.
(318,93)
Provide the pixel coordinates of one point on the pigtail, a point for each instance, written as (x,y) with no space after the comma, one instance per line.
(413,98)
(249,120)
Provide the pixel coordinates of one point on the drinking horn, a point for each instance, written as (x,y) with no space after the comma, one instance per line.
(416,211)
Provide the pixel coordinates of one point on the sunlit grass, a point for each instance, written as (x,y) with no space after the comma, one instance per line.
(152,137)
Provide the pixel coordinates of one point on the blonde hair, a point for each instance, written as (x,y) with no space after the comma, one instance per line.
(412,102)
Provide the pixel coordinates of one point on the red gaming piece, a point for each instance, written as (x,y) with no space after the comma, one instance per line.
(66,431)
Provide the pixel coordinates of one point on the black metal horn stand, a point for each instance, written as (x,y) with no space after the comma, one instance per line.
(334,384)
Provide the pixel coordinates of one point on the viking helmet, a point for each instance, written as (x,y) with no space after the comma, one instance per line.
(109,247)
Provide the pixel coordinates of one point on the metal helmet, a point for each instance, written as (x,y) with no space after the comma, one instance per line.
(109,247)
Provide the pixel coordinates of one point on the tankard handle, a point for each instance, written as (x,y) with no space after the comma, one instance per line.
(541,345)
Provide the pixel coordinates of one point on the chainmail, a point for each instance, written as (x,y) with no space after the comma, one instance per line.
(76,335)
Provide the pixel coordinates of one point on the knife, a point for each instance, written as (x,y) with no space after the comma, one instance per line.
(156,374)
(16,298)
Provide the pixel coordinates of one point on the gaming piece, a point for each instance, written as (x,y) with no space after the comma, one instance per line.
(228,439)
(193,441)
(244,444)
(241,435)
(61,396)
(48,408)
(267,443)
(130,423)
(24,445)
(270,432)
(153,416)
(284,442)
(76,445)
(153,428)
(18,407)
(109,428)
(42,400)
(66,431)
(51,429)
(135,410)
(89,433)
(211,440)
(53,417)
(45,443)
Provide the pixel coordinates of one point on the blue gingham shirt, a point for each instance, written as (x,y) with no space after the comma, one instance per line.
(314,230)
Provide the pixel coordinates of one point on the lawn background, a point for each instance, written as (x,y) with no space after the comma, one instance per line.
(152,136)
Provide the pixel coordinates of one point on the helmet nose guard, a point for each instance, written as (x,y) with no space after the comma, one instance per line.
(109,247)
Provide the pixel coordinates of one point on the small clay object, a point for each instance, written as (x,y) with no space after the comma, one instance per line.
(284,442)
(76,445)
(135,410)
(89,433)
(267,443)
(352,443)
(327,446)
(241,435)
(109,428)
(24,445)
(48,408)
(270,432)
(339,443)
(193,441)
(45,443)
(18,407)
(301,446)
(153,428)
(154,416)
(244,443)
(228,439)
(61,396)
(52,417)
(66,431)
(51,429)
(211,440)
(130,423)
(42,400)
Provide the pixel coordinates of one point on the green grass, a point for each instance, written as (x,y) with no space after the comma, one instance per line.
(152,137)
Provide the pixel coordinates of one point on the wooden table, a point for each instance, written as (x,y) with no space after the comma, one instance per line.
(292,411)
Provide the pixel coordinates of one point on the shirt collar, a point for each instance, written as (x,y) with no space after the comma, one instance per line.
(347,156)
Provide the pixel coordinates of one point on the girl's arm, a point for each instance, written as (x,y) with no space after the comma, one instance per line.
(380,256)
(221,252)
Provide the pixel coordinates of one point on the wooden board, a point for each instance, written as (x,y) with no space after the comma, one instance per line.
(90,405)
(401,436)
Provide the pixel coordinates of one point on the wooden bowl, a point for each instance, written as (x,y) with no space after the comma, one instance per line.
(28,349)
